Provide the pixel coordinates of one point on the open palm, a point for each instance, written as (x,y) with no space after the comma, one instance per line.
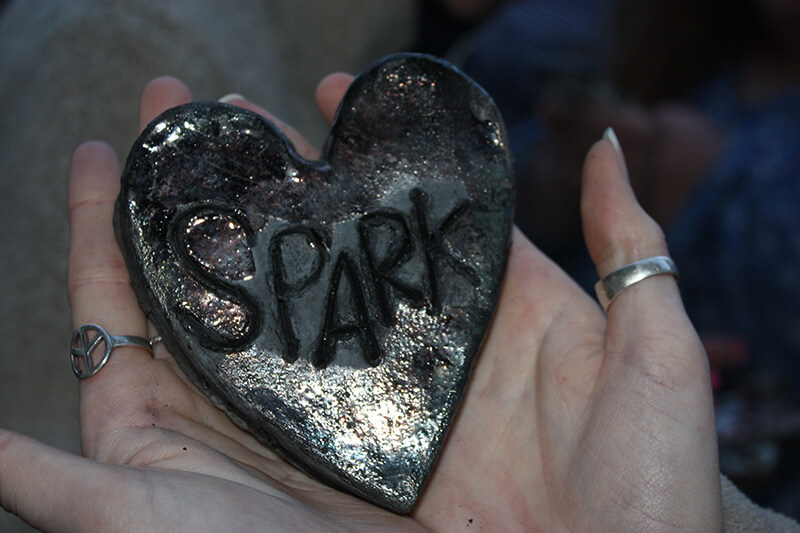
(572,420)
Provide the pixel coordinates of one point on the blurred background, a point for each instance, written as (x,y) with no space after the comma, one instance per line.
(703,94)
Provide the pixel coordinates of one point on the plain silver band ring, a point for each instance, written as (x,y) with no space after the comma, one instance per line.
(613,284)
(83,344)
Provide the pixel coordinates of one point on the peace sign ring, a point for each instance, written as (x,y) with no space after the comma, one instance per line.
(88,337)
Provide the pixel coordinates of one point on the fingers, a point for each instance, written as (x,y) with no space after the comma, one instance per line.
(303,147)
(619,232)
(100,293)
(98,281)
(616,228)
(51,489)
(328,95)
(330,92)
(654,382)
(159,95)
(166,92)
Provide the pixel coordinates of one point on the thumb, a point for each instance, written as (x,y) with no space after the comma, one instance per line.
(655,368)
(53,490)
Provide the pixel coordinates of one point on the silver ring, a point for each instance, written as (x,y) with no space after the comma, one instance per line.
(613,284)
(83,344)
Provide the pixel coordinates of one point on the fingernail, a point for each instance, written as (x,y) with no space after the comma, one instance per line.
(231,96)
(611,137)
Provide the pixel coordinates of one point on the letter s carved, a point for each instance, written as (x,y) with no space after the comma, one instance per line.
(207,336)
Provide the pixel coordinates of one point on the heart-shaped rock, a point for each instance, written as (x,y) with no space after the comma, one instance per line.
(334,309)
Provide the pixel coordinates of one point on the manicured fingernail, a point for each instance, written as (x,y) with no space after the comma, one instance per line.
(232,96)
(611,137)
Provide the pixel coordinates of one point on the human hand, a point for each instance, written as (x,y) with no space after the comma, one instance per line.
(571,420)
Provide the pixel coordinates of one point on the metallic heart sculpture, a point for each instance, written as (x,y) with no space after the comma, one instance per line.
(333,308)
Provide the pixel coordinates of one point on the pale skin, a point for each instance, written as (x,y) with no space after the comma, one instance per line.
(573,420)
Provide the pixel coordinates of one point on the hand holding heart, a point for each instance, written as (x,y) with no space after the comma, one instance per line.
(332,308)
(572,420)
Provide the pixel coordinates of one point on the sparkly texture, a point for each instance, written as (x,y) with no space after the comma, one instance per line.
(218,243)
(333,308)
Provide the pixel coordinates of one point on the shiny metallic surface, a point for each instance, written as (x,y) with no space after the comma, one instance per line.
(332,308)
(611,286)
(89,337)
